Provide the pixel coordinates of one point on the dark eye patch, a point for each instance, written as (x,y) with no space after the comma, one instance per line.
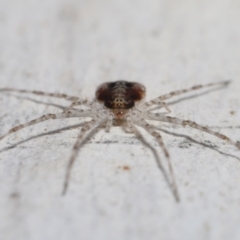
(129,85)
(112,85)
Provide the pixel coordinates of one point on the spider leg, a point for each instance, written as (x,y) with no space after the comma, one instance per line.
(57,95)
(174,120)
(109,122)
(87,127)
(158,101)
(68,114)
(80,102)
(161,104)
(151,130)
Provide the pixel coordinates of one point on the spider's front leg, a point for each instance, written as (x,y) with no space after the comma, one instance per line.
(137,117)
(89,126)
(109,121)
(81,102)
(160,100)
(160,104)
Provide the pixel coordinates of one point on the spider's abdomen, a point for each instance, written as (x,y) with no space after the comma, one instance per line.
(120,94)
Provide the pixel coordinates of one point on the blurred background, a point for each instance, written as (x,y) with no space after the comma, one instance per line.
(72,46)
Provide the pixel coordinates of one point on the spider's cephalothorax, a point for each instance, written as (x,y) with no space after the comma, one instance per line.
(120,96)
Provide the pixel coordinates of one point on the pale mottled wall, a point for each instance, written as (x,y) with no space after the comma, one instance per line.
(73,46)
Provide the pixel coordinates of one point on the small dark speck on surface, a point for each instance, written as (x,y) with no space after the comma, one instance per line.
(14,195)
(185,144)
(125,168)
(232,112)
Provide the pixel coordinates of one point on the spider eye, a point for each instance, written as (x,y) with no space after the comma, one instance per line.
(112,85)
(128,85)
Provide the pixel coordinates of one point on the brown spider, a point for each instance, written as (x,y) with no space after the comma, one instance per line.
(120,102)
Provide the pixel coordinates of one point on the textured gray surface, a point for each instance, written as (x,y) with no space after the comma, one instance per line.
(72,47)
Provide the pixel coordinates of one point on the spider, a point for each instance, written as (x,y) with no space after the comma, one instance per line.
(119,102)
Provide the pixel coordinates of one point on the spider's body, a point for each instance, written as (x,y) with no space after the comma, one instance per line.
(120,96)
(120,100)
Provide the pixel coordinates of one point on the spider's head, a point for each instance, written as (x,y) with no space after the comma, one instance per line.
(120,95)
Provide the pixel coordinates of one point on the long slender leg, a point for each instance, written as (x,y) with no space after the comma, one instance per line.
(80,102)
(57,95)
(75,100)
(164,97)
(68,114)
(174,120)
(151,130)
(109,122)
(161,104)
(88,126)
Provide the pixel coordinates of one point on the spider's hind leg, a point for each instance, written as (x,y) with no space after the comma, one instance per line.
(88,126)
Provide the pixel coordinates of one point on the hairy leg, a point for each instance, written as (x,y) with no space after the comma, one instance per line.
(87,127)
(159,100)
(174,120)
(57,95)
(68,114)
(80,102)
(109,122)
(151,130)
(161,104)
